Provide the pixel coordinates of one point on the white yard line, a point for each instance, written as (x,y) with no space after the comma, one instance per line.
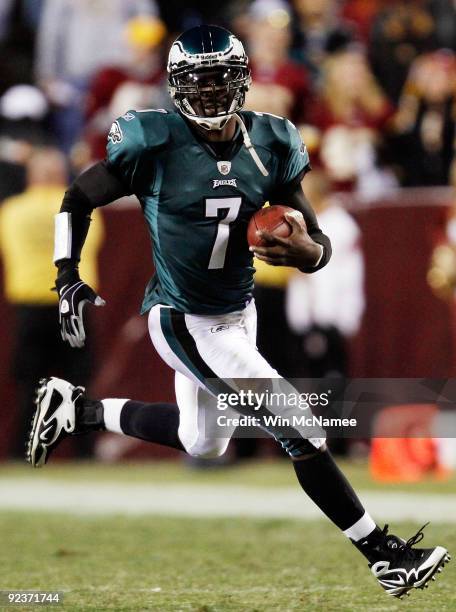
(207,500)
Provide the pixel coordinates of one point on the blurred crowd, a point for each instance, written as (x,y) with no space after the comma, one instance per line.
(370,83)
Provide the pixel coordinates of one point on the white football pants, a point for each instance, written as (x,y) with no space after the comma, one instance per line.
(201,348)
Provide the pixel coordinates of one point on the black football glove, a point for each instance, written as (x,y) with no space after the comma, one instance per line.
(73,295)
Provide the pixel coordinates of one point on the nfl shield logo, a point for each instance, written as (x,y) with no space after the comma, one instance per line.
(224,167)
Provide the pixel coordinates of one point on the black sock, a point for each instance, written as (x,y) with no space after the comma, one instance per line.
(373,545)
(325,484)
(89,415)
(152,422)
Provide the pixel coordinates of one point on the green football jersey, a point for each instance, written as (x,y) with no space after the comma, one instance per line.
(197,206)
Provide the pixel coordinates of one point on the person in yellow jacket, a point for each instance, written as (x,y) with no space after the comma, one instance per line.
(26,246)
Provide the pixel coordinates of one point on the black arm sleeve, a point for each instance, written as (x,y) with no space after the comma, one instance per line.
(95,187)
(292,195)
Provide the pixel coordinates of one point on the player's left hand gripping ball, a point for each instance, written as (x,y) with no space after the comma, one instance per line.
(73,296)
(298,250)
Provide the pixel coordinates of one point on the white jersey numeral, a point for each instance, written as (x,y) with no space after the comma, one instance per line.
(152,110)
(213,205)
(261,114)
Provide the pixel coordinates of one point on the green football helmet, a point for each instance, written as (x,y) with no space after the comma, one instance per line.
(208,75)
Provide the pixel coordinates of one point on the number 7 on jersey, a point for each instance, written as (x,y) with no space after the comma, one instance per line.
(213,205)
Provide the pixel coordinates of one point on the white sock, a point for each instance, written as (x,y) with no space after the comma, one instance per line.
(361,528)
(111,414)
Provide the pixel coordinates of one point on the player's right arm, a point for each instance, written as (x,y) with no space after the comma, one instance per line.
(96,187)
(101,184)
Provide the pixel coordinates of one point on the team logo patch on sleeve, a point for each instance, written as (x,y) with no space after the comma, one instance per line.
(115,133)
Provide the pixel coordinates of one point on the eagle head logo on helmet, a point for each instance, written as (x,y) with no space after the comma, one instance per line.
(208,75)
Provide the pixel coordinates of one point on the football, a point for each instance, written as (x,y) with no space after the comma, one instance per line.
(270,219)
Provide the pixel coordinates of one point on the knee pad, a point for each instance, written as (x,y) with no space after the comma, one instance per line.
(208,449)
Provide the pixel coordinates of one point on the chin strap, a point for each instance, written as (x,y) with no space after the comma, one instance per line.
(249,146)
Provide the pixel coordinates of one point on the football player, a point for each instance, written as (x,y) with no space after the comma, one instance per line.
(200,173)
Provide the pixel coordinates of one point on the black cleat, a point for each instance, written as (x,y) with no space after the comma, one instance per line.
(398,566)
(54,420)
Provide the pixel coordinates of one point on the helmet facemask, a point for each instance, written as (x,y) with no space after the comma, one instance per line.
(210,95)
(208,79)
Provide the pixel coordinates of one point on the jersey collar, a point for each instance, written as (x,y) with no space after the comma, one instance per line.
(226,152)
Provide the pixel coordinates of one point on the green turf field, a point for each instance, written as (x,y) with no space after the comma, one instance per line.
(201,565)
